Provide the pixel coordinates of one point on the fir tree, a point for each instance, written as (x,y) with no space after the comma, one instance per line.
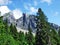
(6,26)
(13,31)
(59,31)
(30,35)
(41,27)
(21,38)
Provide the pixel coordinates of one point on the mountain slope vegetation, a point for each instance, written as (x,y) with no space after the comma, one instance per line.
(45,34)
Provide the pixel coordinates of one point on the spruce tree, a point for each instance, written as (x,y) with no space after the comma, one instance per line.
(6,26)
(41,27)
(30,35)
(59,31)
(21,38)
(13,31)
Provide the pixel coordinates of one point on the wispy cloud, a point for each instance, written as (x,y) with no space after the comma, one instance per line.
(35,3)
(31,9)
(56,13)
(5,2)
(47,1)
(27,6)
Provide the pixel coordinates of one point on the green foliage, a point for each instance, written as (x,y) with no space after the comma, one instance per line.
(6,39)
(41,27)
(59,32)
(13,31)
(45,35)
(29,36)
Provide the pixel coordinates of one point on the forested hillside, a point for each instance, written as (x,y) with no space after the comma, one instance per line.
(45,34)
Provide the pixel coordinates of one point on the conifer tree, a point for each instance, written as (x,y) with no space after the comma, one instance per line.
(30,35)
(13,31)
(41,27)
(21,38)
(6,26)
(2,26)
(59,31)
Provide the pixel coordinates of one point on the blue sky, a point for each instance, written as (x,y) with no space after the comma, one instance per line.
(51,8)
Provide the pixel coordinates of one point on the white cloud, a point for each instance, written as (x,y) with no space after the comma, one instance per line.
(4,9)
(26,7)
(47,1)
(33,10)
(30,8)
(17,13)
(5,2)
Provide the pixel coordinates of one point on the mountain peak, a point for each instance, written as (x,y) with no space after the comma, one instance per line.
(24,21)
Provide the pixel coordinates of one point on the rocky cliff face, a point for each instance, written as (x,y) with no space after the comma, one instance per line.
(23,21)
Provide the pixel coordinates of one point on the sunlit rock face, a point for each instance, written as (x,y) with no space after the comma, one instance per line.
(24,21)
(55,26)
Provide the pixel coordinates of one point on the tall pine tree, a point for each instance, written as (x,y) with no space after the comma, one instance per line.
(41,27)
(30,35)
(13,31)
